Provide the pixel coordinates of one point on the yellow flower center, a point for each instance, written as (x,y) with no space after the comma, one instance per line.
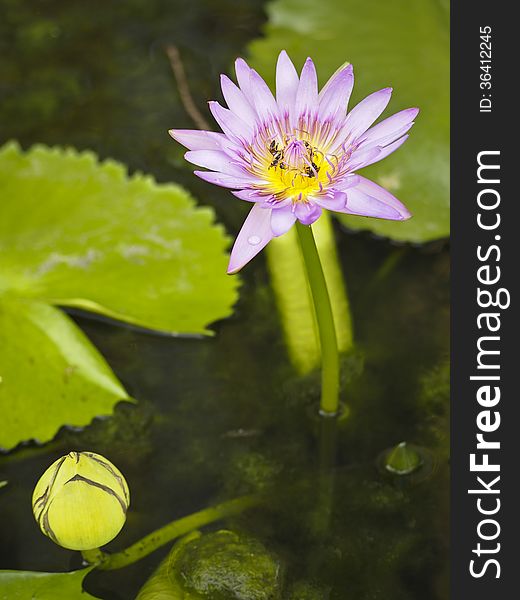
(296,169)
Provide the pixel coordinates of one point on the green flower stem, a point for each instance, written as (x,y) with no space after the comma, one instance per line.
(94,556)
(325,320)
(171,531)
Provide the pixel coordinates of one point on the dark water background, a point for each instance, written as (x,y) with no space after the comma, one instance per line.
(224,416)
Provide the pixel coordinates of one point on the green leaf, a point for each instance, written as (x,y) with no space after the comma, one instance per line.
(163,585)
(33,585)
(221,564)
(403,44)
(50,373)
(77,233)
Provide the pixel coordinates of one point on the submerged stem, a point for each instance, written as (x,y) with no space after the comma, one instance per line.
(327,332)
(171,531)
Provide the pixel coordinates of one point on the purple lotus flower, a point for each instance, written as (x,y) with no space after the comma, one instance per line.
(298,154)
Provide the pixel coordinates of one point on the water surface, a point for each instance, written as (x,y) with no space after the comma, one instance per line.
(228,415)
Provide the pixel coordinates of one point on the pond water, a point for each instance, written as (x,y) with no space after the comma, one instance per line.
(227,415)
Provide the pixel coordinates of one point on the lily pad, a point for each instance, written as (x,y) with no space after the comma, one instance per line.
(403,44)
(219,565)
(162,585)
(74,232)
(33,585)
(51,375)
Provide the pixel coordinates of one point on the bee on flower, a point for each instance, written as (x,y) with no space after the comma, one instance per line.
(298,153)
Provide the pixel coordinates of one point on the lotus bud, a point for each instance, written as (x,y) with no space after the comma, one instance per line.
(403,459)
(81,500)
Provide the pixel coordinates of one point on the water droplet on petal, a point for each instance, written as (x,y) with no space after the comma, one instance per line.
(254,240)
